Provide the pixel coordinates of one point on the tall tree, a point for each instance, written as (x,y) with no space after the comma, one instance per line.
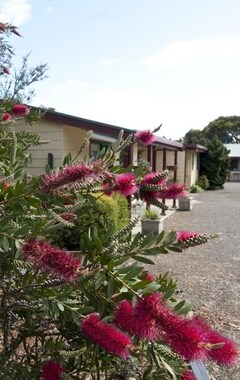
(227,129)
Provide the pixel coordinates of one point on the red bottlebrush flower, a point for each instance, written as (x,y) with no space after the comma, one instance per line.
(74,173)
(174,191)
(150,186)
(145,137)
(142,324)
(225,351)
(6,117)
(108,337)
(15,31)
(52,370)
(191,239)
(6,185)
(188,375)
(69,216)
(183,336)
(53,259)
(148,276)
(125,184)
(2,27)
(6,71)
(20,110)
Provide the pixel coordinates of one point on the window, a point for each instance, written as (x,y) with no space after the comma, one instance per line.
(234,164)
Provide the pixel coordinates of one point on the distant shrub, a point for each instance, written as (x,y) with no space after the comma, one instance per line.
(203,182)
(195,189)
(122,211)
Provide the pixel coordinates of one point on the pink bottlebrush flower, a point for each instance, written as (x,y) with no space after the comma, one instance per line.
(125,184)
(139,324)
(225,351)
(6,71)
(151,179)
(15,31)
(20,110)
(6,117)
(148,276)
(183,336)
(53,259)
(145,137)
(107,336)
(174,191)
(74,173)
(69,216)
(191,239)
(188,375)
(6,185)
(52,370)
(2,27)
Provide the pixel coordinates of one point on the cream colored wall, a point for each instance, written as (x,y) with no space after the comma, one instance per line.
(191,173)
(135,154)
(159,160)
(48,131)
(72,141)
(181,167)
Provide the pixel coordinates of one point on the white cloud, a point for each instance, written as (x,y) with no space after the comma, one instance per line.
(109,61)
(15,12)
(184,53)
(49,9)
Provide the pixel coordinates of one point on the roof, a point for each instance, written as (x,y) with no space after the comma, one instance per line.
(103,128)
(196,147)
(234,149)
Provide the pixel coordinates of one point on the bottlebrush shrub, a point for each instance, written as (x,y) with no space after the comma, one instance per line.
(105,316)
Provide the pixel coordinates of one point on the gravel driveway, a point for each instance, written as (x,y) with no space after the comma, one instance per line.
(209,275)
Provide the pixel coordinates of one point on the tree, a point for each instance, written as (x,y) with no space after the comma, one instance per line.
(215,164)
(227,129)
(17,87)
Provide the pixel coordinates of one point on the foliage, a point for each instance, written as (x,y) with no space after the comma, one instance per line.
(150,214)
(203,182)
(98,211)
(215,164)
(195,189)
(59,311)
(227,129)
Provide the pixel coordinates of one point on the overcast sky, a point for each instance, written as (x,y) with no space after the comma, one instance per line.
(134,63)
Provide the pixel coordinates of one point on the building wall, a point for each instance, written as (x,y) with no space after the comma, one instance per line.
(191,167)
(52,134)
(72,141)
(181,167)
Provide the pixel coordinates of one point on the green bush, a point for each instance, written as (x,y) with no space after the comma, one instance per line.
(195,189)
(203,182)
(102,213)
(150,214)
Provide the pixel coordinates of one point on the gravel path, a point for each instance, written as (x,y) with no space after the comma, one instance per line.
(209,275)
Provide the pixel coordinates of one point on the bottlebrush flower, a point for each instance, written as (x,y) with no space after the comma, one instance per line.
(72,174)
(20,110)
(125,184)
(6,71)
(150,186)
(53,259)
(191,239)
(188,375)
(225,351)
(183,336)
(142,324)
(107,336)
(175,190)
(2,27)
(6,117)
(52,370)
(145,137)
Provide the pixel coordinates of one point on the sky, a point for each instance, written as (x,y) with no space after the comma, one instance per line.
(133,63)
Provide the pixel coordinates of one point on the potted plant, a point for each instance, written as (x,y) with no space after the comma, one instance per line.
(151,222)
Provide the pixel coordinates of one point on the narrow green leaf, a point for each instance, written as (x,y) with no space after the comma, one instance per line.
(144,260)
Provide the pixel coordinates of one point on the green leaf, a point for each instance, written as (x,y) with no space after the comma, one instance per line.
(133,273)
(5,243)
(60,306)
(144,260)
